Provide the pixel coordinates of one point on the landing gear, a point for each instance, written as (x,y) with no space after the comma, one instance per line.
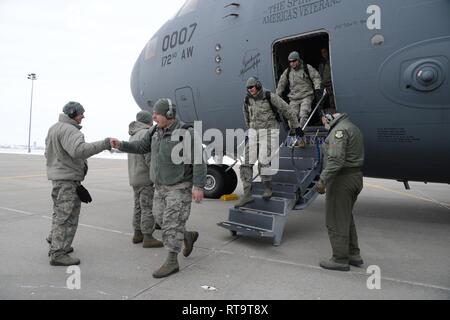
(219,181)
(231,180)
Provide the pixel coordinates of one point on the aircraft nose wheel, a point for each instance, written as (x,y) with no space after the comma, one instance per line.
(210,182)
(219,181)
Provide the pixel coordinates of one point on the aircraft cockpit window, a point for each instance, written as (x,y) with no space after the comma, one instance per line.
(150,49)
(189,6)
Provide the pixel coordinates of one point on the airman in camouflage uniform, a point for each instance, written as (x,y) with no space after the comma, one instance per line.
(176,185)
(260,116)
(66,153)
(342,180)
(143,189)
(302,87)
(325,75)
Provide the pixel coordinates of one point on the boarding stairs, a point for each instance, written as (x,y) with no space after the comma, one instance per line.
(293,190)
(293,186)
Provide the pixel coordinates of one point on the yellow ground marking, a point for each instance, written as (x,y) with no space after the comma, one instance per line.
(375,186)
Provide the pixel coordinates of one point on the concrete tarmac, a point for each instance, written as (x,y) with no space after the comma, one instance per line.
(403,234)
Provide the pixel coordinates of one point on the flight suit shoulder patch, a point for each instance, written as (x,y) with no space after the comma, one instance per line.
(339,134)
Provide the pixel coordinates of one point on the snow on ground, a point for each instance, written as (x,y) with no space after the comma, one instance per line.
(40,152)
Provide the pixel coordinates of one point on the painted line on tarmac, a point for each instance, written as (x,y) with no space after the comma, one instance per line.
(50,218)
(420,284)
(308,266)
(428,199)
(442,204)
(18,211)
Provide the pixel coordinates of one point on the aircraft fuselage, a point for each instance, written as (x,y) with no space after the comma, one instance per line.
(390,64)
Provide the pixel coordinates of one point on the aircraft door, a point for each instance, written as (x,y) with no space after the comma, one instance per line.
(185,104)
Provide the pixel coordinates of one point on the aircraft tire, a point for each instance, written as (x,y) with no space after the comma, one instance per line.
(231,180)
(215,182)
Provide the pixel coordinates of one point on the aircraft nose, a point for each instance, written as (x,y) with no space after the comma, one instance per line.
(135,85)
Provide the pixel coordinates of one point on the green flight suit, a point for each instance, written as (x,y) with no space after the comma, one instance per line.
(343,160)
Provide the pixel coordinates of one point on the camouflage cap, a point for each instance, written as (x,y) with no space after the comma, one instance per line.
(144,117)
(251,82)
(73,109)
(294,55)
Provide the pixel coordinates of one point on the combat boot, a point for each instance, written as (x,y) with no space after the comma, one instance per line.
(356,261)
(70,250)
(169,267)
(189,238)
(246,198)
(332,265)
(267,190)
(151,242)
(64,260)
(138,237)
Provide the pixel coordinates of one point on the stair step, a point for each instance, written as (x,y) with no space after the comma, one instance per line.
(312,130)
(251,219)
(300,163)
(289,176)
(279,190)
(308,152)
(246,230)
(274,206)
(280,187)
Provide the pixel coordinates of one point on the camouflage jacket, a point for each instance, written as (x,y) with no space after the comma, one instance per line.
(299,84)
(325,73)
(138,164)
(163,170)
(343,148)
(258,114)
(66,152)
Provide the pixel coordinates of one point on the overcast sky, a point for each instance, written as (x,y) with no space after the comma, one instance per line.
(81,50)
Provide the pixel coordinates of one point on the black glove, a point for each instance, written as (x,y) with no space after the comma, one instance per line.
(318,93)
(299,132)
(83,194)
(292,132)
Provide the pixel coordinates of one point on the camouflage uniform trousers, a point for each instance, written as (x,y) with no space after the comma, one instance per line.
(259,148)
(66,212)
(171,208)
(301,109)
(143,219)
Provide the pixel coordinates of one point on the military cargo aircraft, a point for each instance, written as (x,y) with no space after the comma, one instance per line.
(390,63)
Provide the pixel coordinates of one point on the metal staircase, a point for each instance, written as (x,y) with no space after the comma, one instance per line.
(293,189)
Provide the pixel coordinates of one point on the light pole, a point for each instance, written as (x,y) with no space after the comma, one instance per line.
(32,77)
